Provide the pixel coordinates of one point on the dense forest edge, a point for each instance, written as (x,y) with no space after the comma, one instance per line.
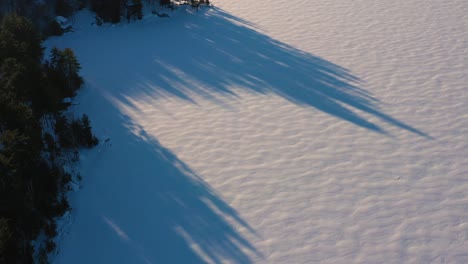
(44,13)
(40,137)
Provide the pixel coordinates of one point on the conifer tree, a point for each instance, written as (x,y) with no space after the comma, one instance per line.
(20,40)
(89,140)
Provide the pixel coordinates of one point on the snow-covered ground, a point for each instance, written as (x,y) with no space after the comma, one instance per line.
(288,131)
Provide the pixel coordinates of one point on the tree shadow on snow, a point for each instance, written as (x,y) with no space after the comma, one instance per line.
(141,204)
(160,210)
(210,52)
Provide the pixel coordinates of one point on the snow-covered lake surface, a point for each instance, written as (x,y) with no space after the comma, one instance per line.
(288,131)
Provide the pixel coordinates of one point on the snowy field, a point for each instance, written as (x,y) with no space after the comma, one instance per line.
(288,131)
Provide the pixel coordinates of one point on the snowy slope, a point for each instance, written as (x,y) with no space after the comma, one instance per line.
(295,132)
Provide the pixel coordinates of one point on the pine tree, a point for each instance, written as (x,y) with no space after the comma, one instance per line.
(63,71)
(89,140)
(71,65)
(20,40)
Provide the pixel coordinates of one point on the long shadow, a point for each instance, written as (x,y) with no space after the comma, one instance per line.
(210,51)
(141,204)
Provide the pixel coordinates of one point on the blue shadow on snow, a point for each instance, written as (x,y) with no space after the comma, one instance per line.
(218,51)
(161,210)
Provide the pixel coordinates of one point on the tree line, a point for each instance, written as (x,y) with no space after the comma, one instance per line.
(37,138)
(42,13)
(37,134)
(113,10)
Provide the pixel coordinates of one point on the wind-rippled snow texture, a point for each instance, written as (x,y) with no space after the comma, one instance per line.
(375,174)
